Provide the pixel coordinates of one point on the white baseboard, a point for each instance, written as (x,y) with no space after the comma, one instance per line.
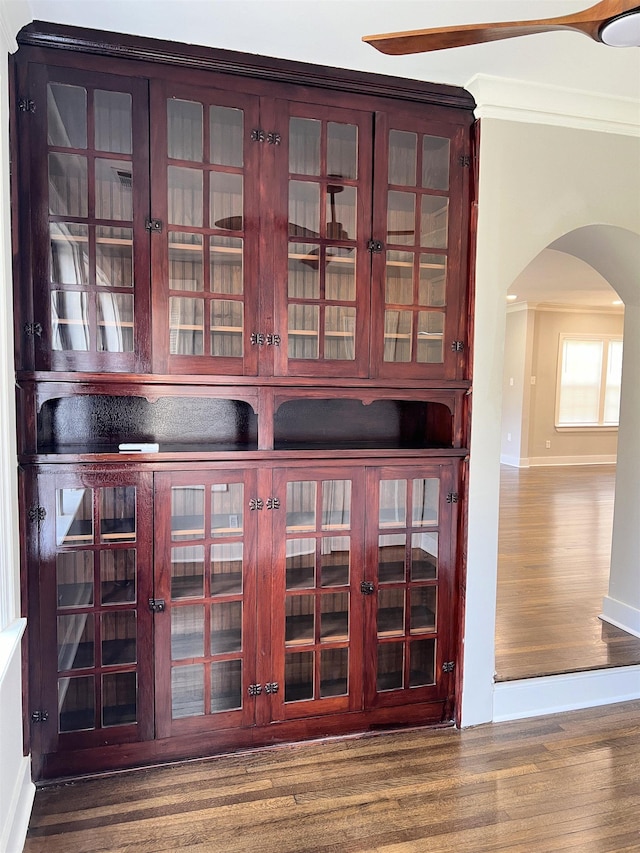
(533,697)
(621,615)
(513,461)
(596,459)
(14,834)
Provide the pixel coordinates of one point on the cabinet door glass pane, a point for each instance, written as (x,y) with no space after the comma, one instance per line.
(69,257)
(340,274)
(301,563)
(392,557)
(186,259)
(299,619)
(119,693)
(426,495)
(114,257)
(185,196)
(401,217)
(187,632)
(113,121)
(226,255)
(184,130)
(433,277)
(117,576)
(118,631)
(304,271)
(391,612)
(187,512)
(227,503)
(424,556)
(334,672)
(76,704)
(335,560)
(115,322)
(66,115)
(298,676)
(334,617)
(430,337)
(226,627)
(340,332)
(304,209)
(74,579)
(114,184)
(397,335)
(301,506)
(399,278)
(422,663)
(227,134)
(227,323)
(226,685)
(423,609)
(187,691)
(340,213)
(68,187)
(303,329)
(226,569)
(187,572)
(186,326)
(435,163)
(118,514)
(74,516)
(342,150)
(76,642)
(390,669)
(304,146)
(434,221)
(393,503)
(403,151)
(226,200)
(336,504)
(69,321)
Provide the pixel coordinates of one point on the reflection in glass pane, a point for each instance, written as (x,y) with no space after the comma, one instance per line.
(336,504)
(69,321)
(226,569)
(226,685)
(187,512)
(118,514)
(68,188)
(424,556)
(403,151)
(74,579)
(393,502)
(185,261)
(227,504)
(118,637)
(113,121)
(435,163)
(401,217)
(226,200)
(342,150)
(184,130)
(301,505)
(298,676)
(334,617)
(392,558)
(114,184)
(187,691)
(301,563)
(227,134)
(185,187)
(304,146)
(434,221)
(433,277)
(76,704)
(399,278)
(335,560)
(340,214)
(391,612)
(117,576)
(119,698)
(299,619)
(422,663)
(66,115)
(334,672)
(186,326)
(227,322)
(430,337)
(115,322)
(114,257)
(426,495)
(74,516)
(303,331)
(187,632)
(340,333)
(390,675)
(69,258)
(423,609)
(304,209)
(76,641)
(397,335)
(226,627)
(187,572)
(340,274)
(304,271)
(226,265)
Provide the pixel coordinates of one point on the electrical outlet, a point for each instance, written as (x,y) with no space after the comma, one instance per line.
(533,380)
(547,444)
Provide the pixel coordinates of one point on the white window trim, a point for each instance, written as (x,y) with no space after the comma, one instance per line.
(584,427)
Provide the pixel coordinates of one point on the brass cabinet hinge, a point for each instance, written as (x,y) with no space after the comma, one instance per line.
(449,666)
(271,687)
(452,498)
(33,329)
(39,716)
(254,689)
(26,105)
(457,346)
(464,160)
(37,513)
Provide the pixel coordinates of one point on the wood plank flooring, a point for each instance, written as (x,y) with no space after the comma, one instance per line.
(553,572)
(567,782)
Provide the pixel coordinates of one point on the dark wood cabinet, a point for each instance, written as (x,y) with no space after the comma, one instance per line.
(242,350)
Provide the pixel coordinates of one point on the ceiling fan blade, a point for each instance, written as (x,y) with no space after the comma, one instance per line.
(588,21)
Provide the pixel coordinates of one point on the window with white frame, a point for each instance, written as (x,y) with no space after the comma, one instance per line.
(589,377)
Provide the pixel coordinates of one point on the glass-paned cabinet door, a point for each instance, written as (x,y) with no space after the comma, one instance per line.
(420,214)
(205,636)
(90,186)
(317,607)
(322,297)
(204,190)
(410,531)
(95,581)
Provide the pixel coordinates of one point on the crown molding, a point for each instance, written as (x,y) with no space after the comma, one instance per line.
(561,308)
(537,103)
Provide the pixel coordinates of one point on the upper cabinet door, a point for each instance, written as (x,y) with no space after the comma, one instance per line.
(205,183)
(419,269)
(319,232)
(89,200)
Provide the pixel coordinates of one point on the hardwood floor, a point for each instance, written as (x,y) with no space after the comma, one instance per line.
(553,572)
(567,782)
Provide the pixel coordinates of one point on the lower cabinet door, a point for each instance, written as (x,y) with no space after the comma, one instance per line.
(93,671)
(205,575)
